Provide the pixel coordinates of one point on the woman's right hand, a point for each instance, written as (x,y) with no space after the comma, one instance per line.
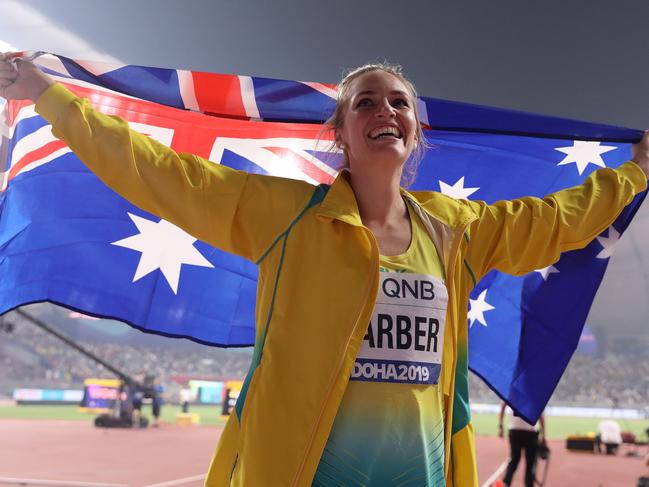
(21,80)
(640,152)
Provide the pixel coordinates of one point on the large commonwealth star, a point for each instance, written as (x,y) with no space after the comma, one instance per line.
(163,246)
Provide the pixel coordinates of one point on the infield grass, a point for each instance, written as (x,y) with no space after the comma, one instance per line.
(208,414)
(557,427)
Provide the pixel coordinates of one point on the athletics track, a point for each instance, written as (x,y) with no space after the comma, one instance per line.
(76,454)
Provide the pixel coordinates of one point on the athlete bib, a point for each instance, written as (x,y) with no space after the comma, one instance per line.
(404,340)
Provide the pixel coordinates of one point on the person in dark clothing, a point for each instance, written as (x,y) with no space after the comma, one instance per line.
(522,436)
(157,401)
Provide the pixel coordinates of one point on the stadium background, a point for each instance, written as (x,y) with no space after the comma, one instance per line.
(582,60)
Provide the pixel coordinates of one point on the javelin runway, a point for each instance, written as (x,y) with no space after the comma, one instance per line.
(76,454)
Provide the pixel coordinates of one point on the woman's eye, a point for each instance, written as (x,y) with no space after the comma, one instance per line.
(400,103)
(364,102)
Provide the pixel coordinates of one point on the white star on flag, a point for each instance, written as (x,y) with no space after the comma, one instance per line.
(583,153)
(477,308)
(546,271)
(608,243)
(458,190)
(163,246)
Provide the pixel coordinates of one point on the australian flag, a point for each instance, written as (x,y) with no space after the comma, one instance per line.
(68,239)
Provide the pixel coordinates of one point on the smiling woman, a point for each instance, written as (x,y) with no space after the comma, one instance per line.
(353,380)
(403,97)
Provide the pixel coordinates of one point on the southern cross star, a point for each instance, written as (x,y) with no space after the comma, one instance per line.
(163,246)
(458,190)
(583,153)
(546,271)
(608,243)
(477,308)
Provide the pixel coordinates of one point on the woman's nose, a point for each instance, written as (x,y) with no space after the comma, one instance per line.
(385,110)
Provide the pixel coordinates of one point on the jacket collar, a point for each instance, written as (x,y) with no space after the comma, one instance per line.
(340,204)
(449,211)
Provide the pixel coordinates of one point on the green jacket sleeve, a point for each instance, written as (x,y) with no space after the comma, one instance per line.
(232,210)
(530,233)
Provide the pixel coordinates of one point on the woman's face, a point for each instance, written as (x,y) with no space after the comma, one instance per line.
(379,124)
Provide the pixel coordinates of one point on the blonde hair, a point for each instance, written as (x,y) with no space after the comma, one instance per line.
(335,121)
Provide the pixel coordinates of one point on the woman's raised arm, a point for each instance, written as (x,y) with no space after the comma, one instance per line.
(232,210)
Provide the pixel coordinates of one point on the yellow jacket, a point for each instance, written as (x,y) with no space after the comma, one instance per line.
(318,277)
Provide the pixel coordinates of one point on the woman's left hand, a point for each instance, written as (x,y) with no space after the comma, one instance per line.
(640,153)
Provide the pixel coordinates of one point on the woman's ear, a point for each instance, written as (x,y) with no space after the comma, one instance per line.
(339,141)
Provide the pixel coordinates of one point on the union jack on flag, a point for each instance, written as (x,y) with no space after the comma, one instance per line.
(66,238)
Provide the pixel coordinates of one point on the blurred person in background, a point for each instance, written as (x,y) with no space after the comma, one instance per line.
(137,396)
(157,400)
(186,396)
(609,434)
(522,436)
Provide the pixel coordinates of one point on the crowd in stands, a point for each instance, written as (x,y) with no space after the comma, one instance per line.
(617,380)
(613,381)
(32,357)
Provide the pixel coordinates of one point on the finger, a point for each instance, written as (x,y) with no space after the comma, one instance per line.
(21,63)
(6,64)
(6,68)
(8,56)
(8,75)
